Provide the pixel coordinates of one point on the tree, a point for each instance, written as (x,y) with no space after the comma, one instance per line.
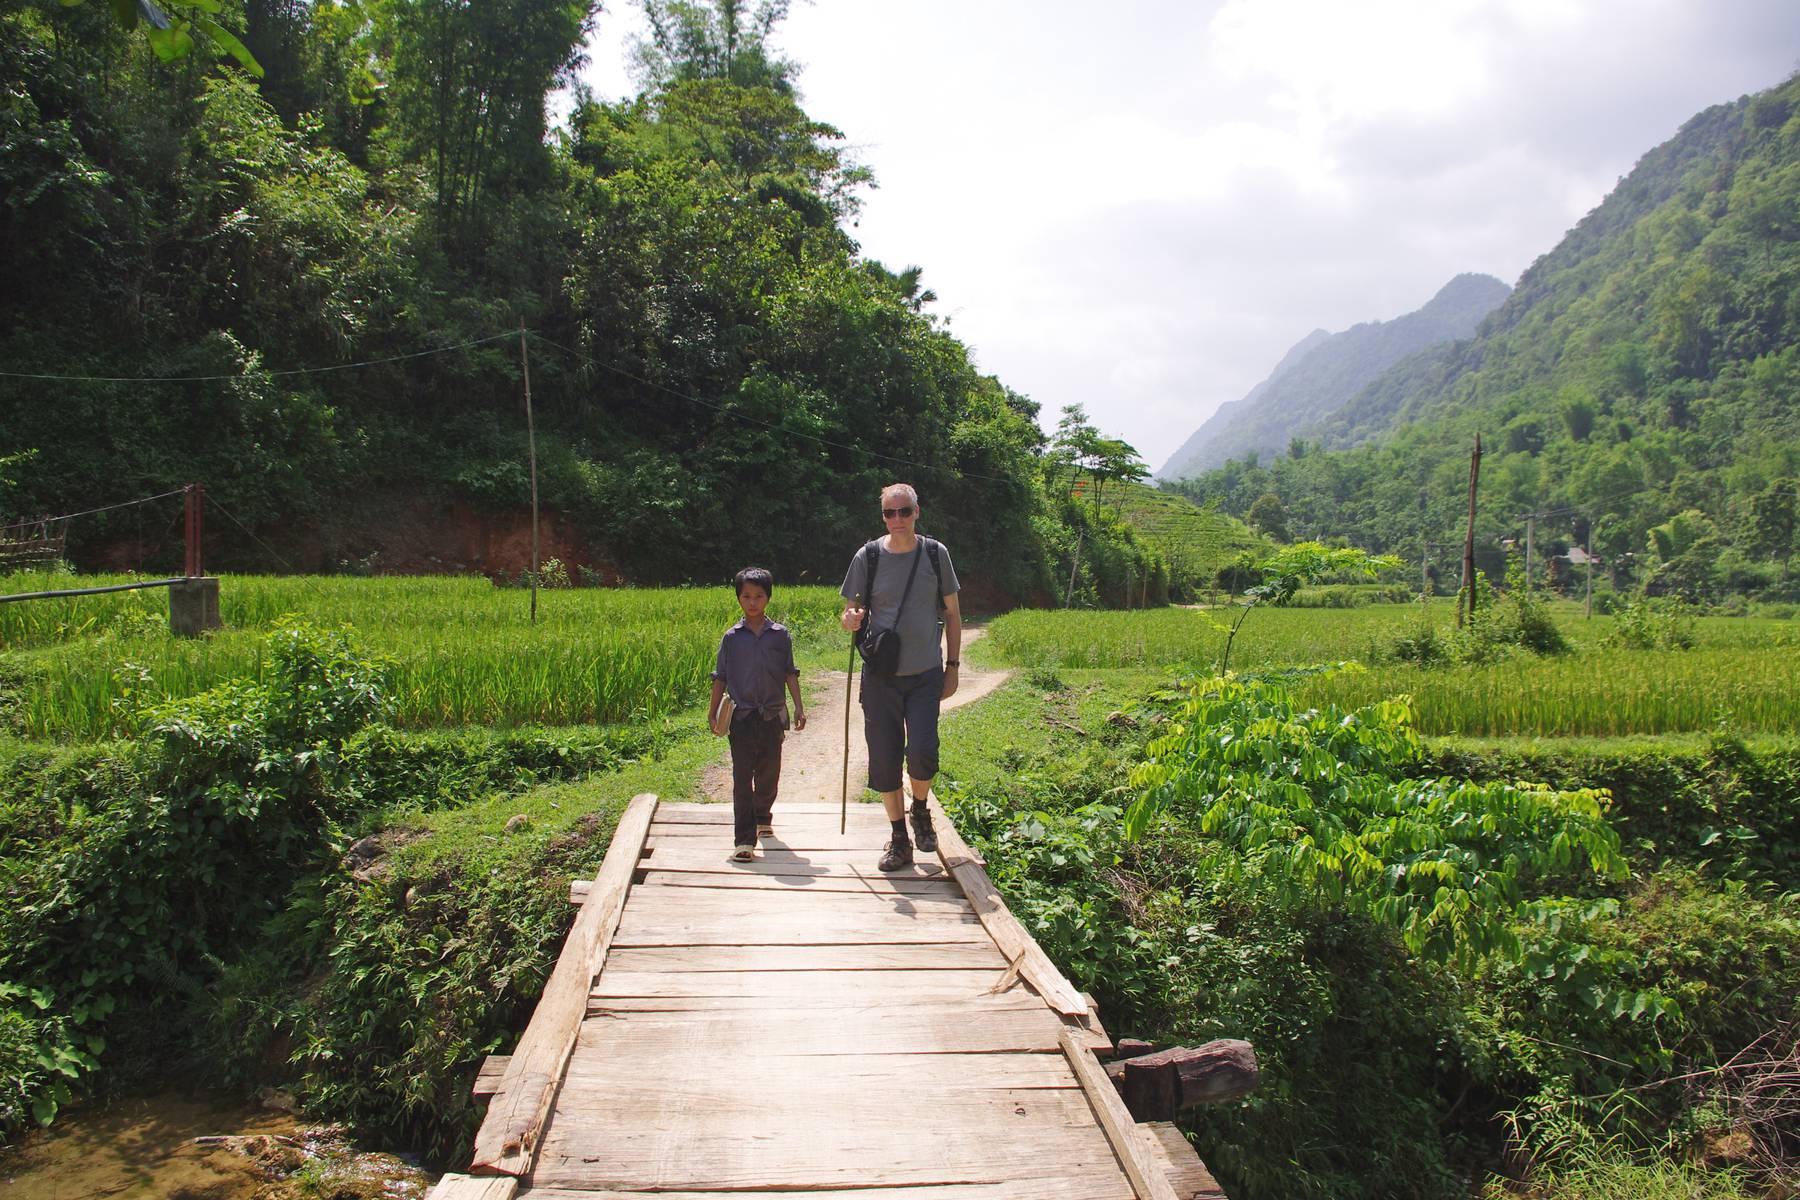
(1773,522)
(1114,459)
(1269,517)
(1075,442)
(475,114)
(174,27)
(1291,568)
(723,40)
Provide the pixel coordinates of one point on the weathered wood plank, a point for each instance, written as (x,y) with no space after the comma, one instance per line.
(695,854)
(1014,941)
(469,1187)
(695,1135)
(490,1075)
(952,1027)
(721,813)
(1094,1187)
(913,1075)
(515,1118)
(860,986)
(941,885)
(1187,1174)
(1127,1139)
(790,905)
(1020,997)
(952,957)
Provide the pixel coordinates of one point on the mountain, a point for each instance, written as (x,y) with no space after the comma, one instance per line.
(1643,375)
(1326,370)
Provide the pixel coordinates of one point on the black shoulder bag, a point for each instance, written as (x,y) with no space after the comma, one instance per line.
(881,647)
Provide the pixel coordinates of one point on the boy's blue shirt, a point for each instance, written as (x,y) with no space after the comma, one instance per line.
(755,667)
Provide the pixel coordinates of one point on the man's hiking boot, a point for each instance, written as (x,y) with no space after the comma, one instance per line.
(923,834)
(899,855)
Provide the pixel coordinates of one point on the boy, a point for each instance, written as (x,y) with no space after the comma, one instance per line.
(756,658)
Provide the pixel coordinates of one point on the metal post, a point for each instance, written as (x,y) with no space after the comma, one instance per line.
(531,449)
(194,511)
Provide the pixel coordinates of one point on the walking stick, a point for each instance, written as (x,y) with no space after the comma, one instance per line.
(844,804)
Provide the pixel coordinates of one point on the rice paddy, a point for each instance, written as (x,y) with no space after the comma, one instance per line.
(1740,674)
(464,652)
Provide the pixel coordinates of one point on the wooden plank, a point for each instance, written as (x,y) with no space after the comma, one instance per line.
(721,813)
(508,1136)
(953,957)
(1020,997)
(938,886)
(916,1076)
(1020,948)
(858,986)
(490,1075)
(993,1026)
(469,1187)
(697,1136)
(1094,1187)
(1124,1133)
(695,854)
(1187,1174)
(705,933)
(782,905)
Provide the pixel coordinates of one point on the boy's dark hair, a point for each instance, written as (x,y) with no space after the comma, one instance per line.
(757,575)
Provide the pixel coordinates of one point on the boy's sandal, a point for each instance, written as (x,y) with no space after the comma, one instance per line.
(742,854)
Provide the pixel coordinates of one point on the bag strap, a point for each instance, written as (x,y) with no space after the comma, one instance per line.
(873,551)
(931,547)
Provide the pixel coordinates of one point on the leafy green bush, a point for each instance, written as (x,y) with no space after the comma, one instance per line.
(1646,624)
(1725,806)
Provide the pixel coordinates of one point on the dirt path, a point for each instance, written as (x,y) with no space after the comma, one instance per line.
(812,761)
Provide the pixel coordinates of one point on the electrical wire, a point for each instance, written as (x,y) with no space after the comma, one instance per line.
(106,508)
(284,562)
(726,411)
(371,362)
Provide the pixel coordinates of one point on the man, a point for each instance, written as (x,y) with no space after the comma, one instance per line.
(912,577)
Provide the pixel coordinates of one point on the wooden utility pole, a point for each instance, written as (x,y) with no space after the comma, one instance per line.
(1530,538)
(1589,547)
(1468,576)
(531,450)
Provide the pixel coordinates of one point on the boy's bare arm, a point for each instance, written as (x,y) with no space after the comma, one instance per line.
(793,685)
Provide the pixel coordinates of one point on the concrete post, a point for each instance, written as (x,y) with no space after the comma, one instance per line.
(194,606)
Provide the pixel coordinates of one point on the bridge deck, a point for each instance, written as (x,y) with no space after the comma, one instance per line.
(805,1025)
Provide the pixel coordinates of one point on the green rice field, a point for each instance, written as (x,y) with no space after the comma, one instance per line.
(464,651)
(1741,672)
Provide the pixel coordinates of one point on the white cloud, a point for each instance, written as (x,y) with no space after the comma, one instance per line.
(1140,208)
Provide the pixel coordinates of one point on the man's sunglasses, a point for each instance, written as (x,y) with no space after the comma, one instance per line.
(905,510)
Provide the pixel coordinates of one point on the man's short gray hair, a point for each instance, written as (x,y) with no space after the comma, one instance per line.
(912,497)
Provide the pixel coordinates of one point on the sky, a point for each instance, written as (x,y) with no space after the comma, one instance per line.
(1140,207)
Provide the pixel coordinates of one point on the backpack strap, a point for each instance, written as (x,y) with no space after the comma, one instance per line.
(931,548)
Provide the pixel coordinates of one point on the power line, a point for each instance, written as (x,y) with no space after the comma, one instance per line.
(214,501)
(722,409)
(371,362)
(108,507)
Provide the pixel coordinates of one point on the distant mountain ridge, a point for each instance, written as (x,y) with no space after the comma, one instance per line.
(1324,371)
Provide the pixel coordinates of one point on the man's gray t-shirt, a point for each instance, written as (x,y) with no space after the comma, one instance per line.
(920,648)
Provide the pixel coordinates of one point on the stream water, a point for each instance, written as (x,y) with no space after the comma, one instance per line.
(176,1146)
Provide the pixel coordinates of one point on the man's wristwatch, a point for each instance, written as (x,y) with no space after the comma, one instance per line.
(953,662)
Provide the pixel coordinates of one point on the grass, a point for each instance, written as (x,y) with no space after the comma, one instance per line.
(464,652)
(1739,674)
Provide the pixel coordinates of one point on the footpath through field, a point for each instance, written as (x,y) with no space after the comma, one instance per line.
(804,1025)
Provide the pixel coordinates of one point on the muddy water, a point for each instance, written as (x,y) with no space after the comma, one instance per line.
(181,1147)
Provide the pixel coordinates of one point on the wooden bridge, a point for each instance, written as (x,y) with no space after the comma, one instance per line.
(803,1026)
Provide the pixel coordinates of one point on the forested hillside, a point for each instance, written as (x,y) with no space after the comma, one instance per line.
(1641,386)
(1324,371)
(241,281)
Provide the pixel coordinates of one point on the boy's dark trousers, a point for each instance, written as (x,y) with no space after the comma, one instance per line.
(755,773)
